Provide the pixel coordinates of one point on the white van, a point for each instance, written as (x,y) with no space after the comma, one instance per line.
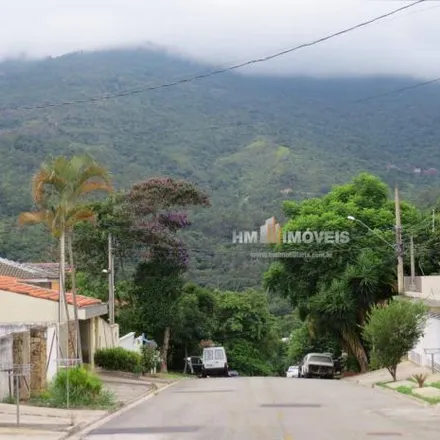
(215,362)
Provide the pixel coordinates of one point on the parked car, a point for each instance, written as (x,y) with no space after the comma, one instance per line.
(292,371)
(317,365)
(215,362)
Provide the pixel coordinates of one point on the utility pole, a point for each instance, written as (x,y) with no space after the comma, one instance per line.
(433,220)
(400,280)
(413,265)
(111,281)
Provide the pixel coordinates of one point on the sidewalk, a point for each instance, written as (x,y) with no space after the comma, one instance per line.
(56,424)
(405,370)
(405,386)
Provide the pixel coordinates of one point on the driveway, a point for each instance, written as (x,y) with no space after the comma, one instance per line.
(272,408)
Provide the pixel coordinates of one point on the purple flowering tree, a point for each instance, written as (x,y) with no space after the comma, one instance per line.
(157,206)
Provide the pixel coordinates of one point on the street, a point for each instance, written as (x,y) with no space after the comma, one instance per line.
(272,409)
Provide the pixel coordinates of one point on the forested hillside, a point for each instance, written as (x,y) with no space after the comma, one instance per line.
(249,142)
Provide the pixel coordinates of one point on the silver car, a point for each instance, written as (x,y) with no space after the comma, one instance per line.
(317,365)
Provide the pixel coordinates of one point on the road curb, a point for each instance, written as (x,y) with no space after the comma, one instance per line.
(79,431)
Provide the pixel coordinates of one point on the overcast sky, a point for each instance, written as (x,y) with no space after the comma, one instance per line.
(227,31)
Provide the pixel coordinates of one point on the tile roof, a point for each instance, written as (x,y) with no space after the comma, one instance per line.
(14,285)
(22,270)
(52,269)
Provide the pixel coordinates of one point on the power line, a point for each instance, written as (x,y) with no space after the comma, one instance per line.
(222,70)
(396,91)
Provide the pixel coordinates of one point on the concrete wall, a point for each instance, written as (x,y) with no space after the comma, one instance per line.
(51,353)
(107,335)
(21,352)
(431,340)
(18,308)
(38,359)
(101,335)
(424,287)
(129,342)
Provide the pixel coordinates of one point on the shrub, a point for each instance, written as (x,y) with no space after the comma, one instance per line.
(420,379)
(248,359)
(150,359)
(118,359)
(83,387)
(81,382)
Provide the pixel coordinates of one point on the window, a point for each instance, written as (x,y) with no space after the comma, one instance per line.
(218,355)
(327,359)
(208,355)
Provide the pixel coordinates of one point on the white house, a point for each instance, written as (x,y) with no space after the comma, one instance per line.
(426,289)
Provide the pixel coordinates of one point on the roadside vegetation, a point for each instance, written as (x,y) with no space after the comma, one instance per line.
(392,330)
(77,388)
(321,304)
(411,391)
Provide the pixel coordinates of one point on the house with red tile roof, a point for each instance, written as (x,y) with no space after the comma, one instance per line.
(44,274)
(26,304)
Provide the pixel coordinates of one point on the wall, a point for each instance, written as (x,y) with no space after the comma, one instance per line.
(40,337)
(38,359)
(18,308)
(431,340)
(51,353)
(424,287)
(107,335)
(21,352)
(129,342)
(5,361)
(101,335)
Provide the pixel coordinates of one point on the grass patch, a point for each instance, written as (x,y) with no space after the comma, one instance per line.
(171,376)
(408,391)
(404,390)
(9,400)
(85,391)
(432,400)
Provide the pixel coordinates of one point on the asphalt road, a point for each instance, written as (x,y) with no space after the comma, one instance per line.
(273,409)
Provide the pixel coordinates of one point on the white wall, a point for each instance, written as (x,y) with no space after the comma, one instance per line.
(130,342)
(427,287)
(51,353)
(107,335)
(6,359)
(431,340)
(19,308)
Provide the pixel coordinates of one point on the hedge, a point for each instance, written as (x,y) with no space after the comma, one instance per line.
(119,359)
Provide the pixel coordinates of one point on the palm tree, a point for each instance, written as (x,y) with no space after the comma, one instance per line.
(50,218)
(59,190)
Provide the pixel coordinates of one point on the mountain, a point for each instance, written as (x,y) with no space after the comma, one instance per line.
(251,142)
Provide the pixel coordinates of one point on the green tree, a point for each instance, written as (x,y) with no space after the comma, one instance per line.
(393,329)
(195,318)
(336,293)
(249,332)
(59,191)
(302,341)
(155,206)
(91,238)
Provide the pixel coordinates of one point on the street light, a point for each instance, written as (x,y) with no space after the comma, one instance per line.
(397,248)
(350,217)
